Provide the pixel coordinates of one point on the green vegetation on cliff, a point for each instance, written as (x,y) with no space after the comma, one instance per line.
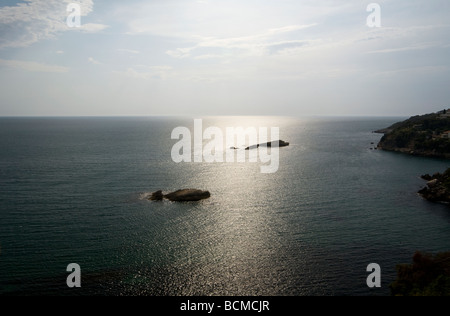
(428,275)
(426,135)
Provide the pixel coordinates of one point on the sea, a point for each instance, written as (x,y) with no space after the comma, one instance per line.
(74,190)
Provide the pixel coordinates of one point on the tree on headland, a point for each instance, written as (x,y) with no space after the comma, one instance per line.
(428,275)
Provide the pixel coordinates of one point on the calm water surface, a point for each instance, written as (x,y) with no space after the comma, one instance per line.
(72,191)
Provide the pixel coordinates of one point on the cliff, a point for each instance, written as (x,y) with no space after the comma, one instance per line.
(426,135)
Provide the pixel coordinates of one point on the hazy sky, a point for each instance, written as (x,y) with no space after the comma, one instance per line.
(216,57)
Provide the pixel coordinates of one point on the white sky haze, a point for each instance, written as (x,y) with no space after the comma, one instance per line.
(214,57)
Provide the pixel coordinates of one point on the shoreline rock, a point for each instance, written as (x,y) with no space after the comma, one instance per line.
(438,187)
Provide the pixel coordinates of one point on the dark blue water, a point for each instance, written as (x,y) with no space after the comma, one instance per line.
(72,190)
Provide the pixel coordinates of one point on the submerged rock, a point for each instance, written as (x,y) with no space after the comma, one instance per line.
(186,195)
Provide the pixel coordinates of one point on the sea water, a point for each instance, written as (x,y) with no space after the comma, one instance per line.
(73,190)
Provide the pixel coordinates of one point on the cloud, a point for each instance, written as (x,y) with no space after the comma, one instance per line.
(208,56)
(416,71)
(267,42)
(275,48)
(129,51)
(181,52)
(246,41)
(290,28)
(146,72)
(34,20)
(93,61)
(133,73)
(92,28)
(403,49)
(32,66)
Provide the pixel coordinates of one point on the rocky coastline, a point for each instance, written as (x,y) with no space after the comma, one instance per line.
(425,135)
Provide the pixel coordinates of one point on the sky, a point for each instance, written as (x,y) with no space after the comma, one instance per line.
(216,57)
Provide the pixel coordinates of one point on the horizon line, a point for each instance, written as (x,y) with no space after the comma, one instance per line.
(204,116)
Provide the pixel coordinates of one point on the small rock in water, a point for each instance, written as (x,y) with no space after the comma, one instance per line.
(186,195)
